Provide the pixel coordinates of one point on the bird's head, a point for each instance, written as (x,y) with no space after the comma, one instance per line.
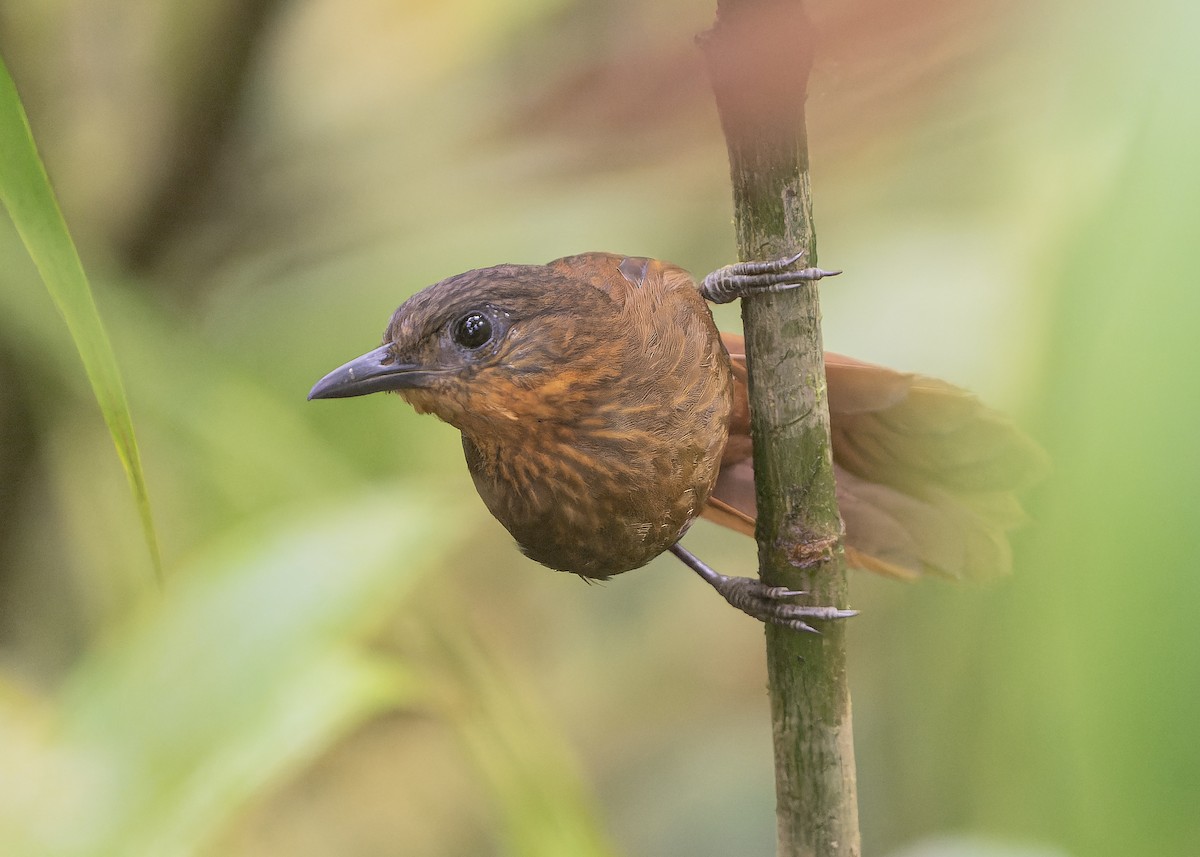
(489,349)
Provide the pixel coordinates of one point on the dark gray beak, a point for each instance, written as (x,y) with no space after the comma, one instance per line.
(374,372)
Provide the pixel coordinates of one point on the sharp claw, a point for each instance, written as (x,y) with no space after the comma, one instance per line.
(756,599)
(746,278)
(782,592)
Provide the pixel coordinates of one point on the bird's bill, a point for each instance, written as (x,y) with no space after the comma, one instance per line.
(374,372)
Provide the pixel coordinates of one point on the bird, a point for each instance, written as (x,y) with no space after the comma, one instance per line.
(602,412)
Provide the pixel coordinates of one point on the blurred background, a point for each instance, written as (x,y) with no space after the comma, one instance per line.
(349,657)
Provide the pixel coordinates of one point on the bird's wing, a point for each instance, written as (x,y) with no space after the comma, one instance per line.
(926,473)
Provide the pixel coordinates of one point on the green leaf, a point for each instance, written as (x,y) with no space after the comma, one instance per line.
(249,666)
(26,192)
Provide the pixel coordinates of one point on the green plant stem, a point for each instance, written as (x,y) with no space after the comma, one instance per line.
(759,56)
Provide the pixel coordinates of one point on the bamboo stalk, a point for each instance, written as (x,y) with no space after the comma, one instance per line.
(759,54)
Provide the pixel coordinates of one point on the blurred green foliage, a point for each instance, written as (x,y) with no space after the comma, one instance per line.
(349,657)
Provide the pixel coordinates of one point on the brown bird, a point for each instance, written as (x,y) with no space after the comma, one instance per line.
(602,411)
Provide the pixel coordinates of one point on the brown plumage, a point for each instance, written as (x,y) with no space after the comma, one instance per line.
(601,412)
(926,473)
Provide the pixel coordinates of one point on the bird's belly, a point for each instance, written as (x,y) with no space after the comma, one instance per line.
(625,535)
(571,514)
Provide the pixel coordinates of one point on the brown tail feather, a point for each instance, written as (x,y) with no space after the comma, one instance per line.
(925,471)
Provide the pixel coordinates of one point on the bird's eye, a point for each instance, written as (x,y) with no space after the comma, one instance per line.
(473,330)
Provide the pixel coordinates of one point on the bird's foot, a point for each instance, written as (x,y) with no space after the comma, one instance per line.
(755,598)
(748,278)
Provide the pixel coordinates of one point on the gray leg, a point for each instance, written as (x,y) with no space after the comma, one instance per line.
(747,278)
(755,598)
